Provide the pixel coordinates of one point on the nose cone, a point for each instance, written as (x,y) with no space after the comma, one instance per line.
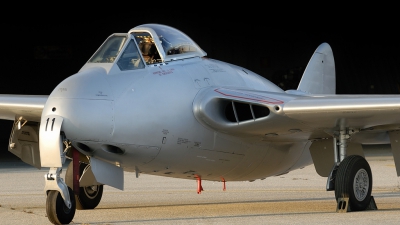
(85,102)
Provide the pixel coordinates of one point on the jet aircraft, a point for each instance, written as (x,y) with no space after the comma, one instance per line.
(150,101)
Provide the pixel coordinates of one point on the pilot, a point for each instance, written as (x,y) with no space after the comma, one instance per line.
(148,49)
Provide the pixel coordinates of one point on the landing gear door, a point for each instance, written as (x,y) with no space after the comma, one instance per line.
(50,142)
(24,142)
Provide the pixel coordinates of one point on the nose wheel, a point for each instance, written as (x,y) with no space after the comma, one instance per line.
(57,211)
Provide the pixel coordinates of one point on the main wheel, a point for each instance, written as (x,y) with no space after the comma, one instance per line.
(57,211)
(354,181)
(89,197)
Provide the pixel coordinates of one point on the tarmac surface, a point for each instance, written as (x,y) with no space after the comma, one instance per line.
(298,197)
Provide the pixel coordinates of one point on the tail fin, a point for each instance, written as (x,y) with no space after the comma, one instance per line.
(319,76)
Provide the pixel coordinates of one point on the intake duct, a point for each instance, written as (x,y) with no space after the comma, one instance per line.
(236,112)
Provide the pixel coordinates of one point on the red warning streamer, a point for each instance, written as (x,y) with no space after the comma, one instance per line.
(199,186)
(224,185)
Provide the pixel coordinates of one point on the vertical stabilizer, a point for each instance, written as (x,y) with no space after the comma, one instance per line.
(319,76)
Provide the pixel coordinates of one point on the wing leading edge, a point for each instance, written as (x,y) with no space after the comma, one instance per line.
(28,106)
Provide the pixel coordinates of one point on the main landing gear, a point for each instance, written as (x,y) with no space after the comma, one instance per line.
(350,178)
(353,183)
(86,197)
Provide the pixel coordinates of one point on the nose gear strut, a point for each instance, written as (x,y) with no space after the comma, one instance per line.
(60,202)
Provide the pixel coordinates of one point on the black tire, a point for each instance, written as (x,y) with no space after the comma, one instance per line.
(89,197)
(354,181)
(57,211)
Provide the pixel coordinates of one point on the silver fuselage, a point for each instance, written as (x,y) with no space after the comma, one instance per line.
(144,121)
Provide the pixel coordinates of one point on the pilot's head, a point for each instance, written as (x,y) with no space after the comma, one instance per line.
(146,39)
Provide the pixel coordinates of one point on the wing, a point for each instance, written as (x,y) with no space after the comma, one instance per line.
(283,116)
(365,112)
(28,106)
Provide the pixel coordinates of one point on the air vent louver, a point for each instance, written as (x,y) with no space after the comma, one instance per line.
(243,111)
(238,112)
(229,112)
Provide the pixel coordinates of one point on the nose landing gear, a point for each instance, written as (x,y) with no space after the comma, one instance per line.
(60,204)
(61,201)
(57,211)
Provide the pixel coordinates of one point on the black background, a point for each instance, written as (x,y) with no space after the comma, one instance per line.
(43,45)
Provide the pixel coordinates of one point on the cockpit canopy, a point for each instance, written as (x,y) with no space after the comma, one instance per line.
(109,50)
(144,45)
(174,43)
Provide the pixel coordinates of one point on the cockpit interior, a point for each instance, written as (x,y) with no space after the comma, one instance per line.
(145,45)
(147,48)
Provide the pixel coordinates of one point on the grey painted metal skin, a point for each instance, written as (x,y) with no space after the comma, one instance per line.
(169,117)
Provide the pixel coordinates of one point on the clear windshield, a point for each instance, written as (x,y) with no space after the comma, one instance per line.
(109,50)
(130,58)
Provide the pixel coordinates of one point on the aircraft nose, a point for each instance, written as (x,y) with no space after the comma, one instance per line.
(85,102)
(88,84)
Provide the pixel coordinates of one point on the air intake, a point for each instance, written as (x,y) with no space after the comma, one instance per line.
(238,112)
(112,149)
(83,147)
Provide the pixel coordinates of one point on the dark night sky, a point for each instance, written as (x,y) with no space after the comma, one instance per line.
(365,51)
(43,47)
